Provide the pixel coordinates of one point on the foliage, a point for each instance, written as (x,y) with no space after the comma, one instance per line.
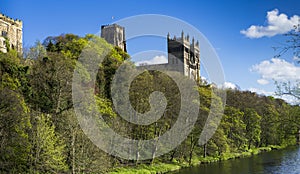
(14,132)
(40,133)
(48,148)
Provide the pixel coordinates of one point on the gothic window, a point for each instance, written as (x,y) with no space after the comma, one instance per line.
(4,33)
(186,49)
(192,57)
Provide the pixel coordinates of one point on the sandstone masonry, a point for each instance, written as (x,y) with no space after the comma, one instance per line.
(10,34)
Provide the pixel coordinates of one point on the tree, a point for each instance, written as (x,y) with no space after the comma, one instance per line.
(14,115)
(234,127)
(38,51)
(253,129)
(14,132)
(82,156)
(269,125)
(50,80)
(48,151)
(293,44)
(107,69)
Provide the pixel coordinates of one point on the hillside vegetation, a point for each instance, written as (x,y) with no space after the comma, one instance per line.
(39,131)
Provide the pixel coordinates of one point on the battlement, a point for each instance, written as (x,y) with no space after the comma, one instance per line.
(111,26)
(11,34)
(184,39)
(184,55)
(10,20)
(114,34)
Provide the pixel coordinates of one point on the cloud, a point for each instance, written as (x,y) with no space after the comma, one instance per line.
(261,91)
(262,81)
(276,69)
(229,85)
(287,98)
(276,24)
(296,58)
(161,59)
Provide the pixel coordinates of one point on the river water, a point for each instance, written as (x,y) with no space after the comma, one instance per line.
(285,161)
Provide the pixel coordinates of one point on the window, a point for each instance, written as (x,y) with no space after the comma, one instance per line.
(192,57)
(4,33)
(186,49)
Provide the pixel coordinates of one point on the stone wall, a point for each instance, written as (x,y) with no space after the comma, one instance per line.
(115,35)
(11,30)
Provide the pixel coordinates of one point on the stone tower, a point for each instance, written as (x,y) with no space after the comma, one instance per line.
(10,34)
(115,35)
(184,56)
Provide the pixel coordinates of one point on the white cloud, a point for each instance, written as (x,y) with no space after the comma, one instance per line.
(296,58)
(229,85)
(262,81)
(261,91)
(161,59)
(276,24)
(290,99)
(276,69)
(287,98)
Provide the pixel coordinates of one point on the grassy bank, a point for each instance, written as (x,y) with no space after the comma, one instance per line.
(159,167)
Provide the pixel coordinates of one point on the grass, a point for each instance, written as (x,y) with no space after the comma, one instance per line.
(148,169)
(159,167)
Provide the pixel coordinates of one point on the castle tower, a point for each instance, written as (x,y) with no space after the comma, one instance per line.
(184,56)
(194,59)
(10,34)
(115,35)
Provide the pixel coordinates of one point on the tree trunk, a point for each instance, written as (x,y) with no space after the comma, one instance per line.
(73,151)
(173,154)
(191,150)
(204,150)
(154,151)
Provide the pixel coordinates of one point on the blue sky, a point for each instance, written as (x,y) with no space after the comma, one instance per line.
(220,21)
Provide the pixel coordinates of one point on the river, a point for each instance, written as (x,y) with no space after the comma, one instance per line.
(285,161)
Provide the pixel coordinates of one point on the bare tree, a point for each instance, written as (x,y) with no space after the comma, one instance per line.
(292,44)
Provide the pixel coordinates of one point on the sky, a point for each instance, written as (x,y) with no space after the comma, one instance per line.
(243,33)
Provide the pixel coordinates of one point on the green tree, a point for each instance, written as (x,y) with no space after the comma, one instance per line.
(38,51)
(82,155)
(234,127)
(14,114)
(253,129)
(50,80)
(269,125)
(107,70)
(48,149)
(14,132)
(288,121)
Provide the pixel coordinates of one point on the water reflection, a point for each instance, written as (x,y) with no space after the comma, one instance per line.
(286,161)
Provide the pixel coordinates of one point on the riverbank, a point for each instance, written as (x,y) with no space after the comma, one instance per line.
(160,168)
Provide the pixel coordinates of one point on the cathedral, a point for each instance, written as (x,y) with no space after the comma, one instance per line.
(183,55)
